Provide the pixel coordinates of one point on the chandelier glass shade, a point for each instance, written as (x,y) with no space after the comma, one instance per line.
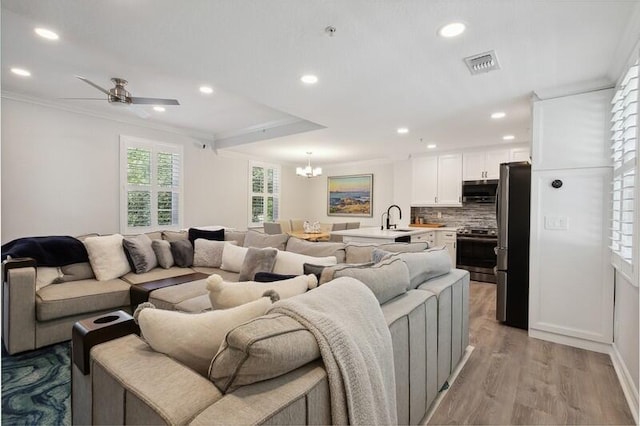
(309,171)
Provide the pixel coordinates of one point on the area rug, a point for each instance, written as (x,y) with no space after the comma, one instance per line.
(36,387)
(448,384)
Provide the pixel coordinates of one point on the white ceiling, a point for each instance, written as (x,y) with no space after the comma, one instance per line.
(384,68)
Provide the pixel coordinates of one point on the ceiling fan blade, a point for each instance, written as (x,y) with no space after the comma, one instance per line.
(154,101)
(91,83)
(83,99)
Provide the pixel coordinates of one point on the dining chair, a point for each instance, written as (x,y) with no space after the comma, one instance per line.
(285,226)
(297,225)
(338,227)
(353,225)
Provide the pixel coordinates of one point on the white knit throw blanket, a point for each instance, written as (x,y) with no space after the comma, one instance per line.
(355,344)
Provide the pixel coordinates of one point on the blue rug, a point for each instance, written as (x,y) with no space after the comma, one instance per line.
(36,386)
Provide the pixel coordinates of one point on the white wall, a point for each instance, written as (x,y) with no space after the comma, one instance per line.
(60,175)
(625,331)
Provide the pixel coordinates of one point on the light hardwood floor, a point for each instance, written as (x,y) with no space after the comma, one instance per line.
(511,378)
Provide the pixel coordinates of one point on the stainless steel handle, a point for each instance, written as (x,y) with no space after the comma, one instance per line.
(480,240)
(435,199)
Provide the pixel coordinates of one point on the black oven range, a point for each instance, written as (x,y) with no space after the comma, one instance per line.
(476,252)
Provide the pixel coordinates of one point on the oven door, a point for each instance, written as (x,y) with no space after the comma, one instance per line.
(477,255)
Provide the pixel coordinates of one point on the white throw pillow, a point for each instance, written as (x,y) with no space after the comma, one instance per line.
(208,253)
(233,257)
(288,263)
(225,295)
(107,257)
(194,339)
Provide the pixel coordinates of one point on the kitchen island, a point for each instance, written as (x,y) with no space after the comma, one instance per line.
(377,235)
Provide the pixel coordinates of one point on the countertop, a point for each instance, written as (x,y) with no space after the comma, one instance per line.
(376,232)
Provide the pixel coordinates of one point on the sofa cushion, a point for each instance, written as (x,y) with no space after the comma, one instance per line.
(233,257)
(75,272)
(142,256)
(257,260)
(327,272)
(237,236)
(290,263)
(175,235)
(46,275)
(156,274)
(194,305)
(260,240)
(80,297)
(107,257)
(386,279)
(195,233)
(208,253)
(194,339)
(182,252)
(361,252)
(227,275)
(260,349)
(169,297)
(162,249)
(318,249)
(224,294)
(422,266)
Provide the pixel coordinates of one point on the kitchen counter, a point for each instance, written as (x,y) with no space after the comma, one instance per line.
(429,228)
(375,234)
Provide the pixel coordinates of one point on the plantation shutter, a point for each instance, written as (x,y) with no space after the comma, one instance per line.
(264,190)
(624,145)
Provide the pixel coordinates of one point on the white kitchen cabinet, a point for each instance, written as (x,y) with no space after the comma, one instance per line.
(427,237)
(424,180)
(519,154)
(437,180)
(448,239)
(483,164)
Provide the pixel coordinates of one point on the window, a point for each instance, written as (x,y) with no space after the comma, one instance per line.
(264,193)
(624,145)
(151,190)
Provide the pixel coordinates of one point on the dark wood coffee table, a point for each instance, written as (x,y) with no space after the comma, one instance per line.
(139,293)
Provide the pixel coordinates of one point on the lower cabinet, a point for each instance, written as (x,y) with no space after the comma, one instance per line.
(448,239)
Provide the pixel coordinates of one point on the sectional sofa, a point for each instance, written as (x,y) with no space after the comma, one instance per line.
(131,383)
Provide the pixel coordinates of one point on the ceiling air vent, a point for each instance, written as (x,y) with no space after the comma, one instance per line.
(484,62)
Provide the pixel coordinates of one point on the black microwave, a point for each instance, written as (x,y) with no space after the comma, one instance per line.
(479,191)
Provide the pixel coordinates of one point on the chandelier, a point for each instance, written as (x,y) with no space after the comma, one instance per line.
(309,171)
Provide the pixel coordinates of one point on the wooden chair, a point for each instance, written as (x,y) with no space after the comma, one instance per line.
(272,228)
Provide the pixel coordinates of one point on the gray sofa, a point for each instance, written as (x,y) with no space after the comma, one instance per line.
(129,383)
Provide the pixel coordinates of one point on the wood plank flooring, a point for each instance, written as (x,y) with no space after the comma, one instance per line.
(512,379)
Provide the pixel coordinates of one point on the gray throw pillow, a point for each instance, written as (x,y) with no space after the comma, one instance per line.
(422,266)
(359,253)
(182,252)
(261,349)
(162,249)
(237,236)
(387,279)
(257,260)
(260,240)
(141,253)
(317,249)
(174,235)
(208,253)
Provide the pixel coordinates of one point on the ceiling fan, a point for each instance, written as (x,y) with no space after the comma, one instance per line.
(119,94)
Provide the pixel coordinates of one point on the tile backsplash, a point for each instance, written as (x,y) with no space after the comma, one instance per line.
(471,215)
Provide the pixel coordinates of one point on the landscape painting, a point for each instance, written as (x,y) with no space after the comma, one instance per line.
(350,195)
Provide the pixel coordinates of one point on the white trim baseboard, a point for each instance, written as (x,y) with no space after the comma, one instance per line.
(576,342)
(626,381)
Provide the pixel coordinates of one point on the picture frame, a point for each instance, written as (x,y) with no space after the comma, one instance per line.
(350,195)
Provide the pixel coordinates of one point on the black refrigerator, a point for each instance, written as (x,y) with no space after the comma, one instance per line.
(513,205)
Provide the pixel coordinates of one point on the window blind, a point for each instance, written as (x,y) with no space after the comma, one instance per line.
(624,145)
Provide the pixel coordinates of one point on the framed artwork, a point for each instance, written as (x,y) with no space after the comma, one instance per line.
(350,195)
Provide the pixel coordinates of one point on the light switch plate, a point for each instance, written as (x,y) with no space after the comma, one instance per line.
(555,223)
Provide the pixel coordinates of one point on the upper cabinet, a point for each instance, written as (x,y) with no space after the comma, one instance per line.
(572,131)
(437,180)
(484,164)
(520,154)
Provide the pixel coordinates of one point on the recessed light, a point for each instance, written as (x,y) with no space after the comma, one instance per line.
(159,109)
(402,130)
(21,72)
(309,79)
(431,146)
(45,33)
(451,30)
(508,137)
(498,114)
(206,90)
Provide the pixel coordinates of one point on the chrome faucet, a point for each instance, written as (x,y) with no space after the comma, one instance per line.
(395,226)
